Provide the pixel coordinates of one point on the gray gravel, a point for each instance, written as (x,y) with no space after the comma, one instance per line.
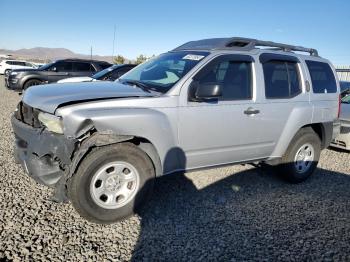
(231,214)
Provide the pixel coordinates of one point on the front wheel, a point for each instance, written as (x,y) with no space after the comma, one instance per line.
(33,82)
(111,183)
(7,72)
(302,156)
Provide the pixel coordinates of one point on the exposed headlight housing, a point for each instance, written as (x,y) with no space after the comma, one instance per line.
(53,123)
(14,73)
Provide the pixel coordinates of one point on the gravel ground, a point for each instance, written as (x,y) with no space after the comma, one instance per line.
(232,214)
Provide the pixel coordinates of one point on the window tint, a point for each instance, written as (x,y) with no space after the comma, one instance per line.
(233,76)
(281,79)
(322,77)
(63,66)
(82,67)
(9,63)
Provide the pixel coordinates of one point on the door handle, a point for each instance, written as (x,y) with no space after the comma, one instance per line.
(251,111)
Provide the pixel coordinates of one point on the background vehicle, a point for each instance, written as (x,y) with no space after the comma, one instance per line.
(344,85)
(343,139)
(7,65)
(109,74)
(21,79)
(207,103)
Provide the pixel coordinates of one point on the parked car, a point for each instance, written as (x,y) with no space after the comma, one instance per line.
(7,65)
(109,74)
(21,79)
(204,104)
(343,139)
(344,85)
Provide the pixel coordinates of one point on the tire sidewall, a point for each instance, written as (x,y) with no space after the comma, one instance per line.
(29,83)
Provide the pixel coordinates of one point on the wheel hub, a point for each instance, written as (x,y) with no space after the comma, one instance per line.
(113,183)
(304,158)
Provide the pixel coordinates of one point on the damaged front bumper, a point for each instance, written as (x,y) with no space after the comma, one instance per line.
(43,155)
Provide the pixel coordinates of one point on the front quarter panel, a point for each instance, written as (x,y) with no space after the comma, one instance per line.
(156,123)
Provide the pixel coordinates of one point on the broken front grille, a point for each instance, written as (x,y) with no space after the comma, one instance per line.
(27,115)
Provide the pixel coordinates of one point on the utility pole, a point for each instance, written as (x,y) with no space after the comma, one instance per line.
(113,44)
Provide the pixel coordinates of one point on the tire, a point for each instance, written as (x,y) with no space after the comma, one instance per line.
(7,72)
(96,192)
(33,82)
(302,156)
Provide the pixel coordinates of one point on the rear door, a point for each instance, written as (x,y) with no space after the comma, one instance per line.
(285,103)
(83,69)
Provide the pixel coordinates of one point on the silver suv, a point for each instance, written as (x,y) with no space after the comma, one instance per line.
(204,104)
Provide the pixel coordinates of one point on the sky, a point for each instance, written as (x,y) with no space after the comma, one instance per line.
(153,27)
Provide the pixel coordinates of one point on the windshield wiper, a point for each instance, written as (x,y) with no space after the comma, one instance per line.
(138,84)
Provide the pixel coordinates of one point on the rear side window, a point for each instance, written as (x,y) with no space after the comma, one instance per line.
(82,67)
(322,77)
(281,79)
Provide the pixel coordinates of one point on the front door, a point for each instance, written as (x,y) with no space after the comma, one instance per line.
(59,70)
(228,129)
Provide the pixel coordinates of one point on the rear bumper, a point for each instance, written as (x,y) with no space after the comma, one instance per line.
(42,154)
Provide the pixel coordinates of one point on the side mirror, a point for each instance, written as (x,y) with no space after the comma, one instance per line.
(206,91)
(54,69)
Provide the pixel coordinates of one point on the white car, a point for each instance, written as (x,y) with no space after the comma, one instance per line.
(77,79)
(7,65)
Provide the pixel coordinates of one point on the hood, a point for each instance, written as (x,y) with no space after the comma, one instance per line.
(49,97)
(76,79)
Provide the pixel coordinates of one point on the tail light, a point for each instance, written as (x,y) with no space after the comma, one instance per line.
(339,105)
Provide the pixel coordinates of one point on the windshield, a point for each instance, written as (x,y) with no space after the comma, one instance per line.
(47,66)
(100,74)
(163,72)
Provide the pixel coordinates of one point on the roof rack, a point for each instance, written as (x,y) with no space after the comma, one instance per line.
(243,44)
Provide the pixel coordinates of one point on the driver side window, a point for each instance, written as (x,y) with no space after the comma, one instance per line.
(234,76)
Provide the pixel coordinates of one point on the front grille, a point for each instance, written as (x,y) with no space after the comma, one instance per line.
(28,115)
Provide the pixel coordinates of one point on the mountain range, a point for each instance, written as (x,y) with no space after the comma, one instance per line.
(44,54)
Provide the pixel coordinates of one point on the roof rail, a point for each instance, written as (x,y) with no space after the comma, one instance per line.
(241,43)
(254,43)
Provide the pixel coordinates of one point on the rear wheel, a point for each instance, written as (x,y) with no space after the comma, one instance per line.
(302,156)
(33,82)
(111,183)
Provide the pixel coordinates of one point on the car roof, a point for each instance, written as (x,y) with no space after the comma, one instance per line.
(81,60)
(242,44)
